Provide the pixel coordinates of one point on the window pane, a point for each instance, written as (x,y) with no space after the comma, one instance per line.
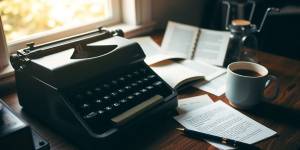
(24,17)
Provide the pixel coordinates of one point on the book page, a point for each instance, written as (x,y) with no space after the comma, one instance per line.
(216,86)
(175,74)
(209,71)
(180,38)
(222,120)
(212,46)
(153,51)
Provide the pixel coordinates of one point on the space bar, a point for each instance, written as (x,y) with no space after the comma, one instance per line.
(136,110)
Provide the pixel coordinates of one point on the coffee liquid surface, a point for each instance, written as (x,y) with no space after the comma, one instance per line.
(246,72)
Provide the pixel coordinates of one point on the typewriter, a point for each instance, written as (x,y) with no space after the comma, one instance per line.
(90,87)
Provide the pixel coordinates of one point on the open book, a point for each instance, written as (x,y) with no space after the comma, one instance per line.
(176,73)
(196,43)
(183,73)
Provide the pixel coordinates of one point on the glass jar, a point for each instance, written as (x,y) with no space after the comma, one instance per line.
(242,42)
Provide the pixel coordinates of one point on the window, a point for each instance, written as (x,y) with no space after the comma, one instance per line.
(41,21)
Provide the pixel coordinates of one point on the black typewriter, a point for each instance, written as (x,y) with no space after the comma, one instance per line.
(90,87)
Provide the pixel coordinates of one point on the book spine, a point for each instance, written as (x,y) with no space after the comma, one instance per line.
(195,44)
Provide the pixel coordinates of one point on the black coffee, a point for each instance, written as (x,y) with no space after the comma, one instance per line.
(246,72)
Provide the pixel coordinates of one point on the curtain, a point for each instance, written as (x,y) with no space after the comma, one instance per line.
(3,48)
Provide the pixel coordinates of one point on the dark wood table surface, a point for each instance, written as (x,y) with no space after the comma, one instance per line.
(281,115)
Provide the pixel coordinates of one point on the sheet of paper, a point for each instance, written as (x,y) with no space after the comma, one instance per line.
(209,71)
(222,120)
(215,86)
(180,38)
(175,74)
(212,46)
(153,51)
(189,104)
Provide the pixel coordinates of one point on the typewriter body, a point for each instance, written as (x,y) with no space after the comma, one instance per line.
(91,88)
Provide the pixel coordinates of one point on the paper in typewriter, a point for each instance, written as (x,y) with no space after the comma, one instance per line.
(222,120)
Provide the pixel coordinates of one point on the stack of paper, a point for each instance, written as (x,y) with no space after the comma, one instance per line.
(221,120)
(188,104)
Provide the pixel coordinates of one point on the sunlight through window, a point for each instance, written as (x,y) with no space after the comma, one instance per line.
(25,17)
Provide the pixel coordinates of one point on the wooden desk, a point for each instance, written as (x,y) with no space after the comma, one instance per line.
(282,115)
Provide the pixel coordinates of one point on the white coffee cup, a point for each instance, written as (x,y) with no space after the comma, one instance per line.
(246,82)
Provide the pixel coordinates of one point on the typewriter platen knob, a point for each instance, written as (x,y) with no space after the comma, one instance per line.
(14,59)
(118,32)
(30,46)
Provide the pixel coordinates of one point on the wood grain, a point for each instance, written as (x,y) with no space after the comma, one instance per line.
(281,115)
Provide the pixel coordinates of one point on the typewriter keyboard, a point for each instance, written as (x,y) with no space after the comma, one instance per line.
(118,98)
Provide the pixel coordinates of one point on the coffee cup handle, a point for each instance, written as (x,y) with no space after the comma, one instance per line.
(272,78)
